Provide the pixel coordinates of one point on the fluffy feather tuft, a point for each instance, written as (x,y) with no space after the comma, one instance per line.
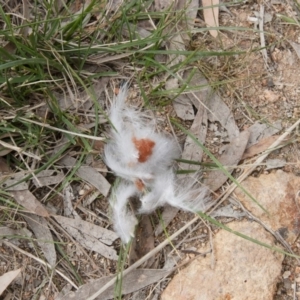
(161,190)
(144,158)
(193,197)
(124,219)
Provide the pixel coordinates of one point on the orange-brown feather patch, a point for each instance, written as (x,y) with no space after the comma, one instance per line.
(139,185)
(144,147)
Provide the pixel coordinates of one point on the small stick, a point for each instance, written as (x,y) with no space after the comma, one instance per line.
(8,244)
(143,259)
(262,36)
(259,160)
(95,138)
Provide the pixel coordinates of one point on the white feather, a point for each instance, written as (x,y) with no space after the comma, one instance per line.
(152,177)
(161,190)
(117,107)
(124,219)
(114,160)
(191,196)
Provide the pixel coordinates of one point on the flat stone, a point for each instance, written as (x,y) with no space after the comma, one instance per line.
(237,269)
(277,193)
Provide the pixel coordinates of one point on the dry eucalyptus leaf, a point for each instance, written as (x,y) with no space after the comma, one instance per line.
(161,5)
(135,280)
(132,31)
(260,146)
(90,236)
(296,47)
(219,111)
(184,108)
(68,197)
(88,174)
(275,163)
(4,145)
(9,233)
(171,261)
(187,21)
(48,177)
(211,15)
(4,151)
(176,43)
(9,48)
(228,212)
(172,84)
(202,95)
(231,156)
(7,278)
(143,242)
(64,291)
(26,199)
(183,104)
(191,150)
(40,228)
(4,168)
(179,38)
(90,198)
(12,182)
(190,8)
(96,89)
(68,101)
(260,131)
(26,16)
(20,191)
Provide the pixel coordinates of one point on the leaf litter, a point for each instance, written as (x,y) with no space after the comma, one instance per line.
(14,234)
(211,15)
(88,174)
(18,189)
(230,157)
(90,236)
(7,278)
(135,280)
(39,226)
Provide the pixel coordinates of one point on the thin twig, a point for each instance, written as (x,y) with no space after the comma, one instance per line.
(144,258)
(274,233)
(8,244)
(19,150)
(95,138)
(259,160)
(31,172)
(262,36)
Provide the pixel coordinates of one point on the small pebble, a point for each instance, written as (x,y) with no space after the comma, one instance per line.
(81,192)
(286,274)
